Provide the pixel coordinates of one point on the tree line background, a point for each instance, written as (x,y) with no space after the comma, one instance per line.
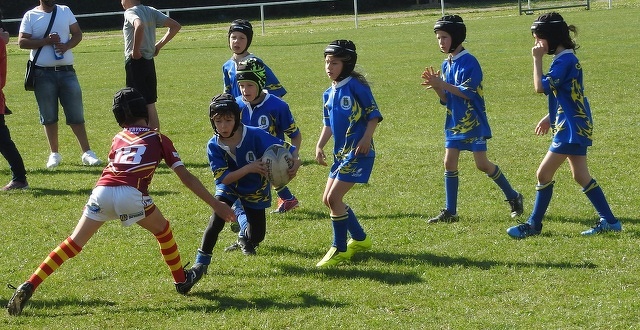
(16,8)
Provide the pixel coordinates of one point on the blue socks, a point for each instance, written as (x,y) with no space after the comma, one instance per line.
(502,182)
(241,216)
(340,230)
(354,227)
(543,198)
(284,193)
(203,258)
(596,196)
(451,191)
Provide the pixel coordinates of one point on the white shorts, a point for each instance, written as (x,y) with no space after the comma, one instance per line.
(119,202)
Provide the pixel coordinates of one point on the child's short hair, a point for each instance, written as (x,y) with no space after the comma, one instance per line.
(552,28)
(223,105)
(128,106)
(454,26)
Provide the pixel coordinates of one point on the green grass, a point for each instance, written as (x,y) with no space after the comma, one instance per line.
(467,275)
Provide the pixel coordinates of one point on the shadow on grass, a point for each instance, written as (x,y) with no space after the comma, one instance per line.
(415,260)
(36,306)
(588,223)
(311,214)
(347,272)
(300,300)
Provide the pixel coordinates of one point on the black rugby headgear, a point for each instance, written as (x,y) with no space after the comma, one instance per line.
(454,26)
(128,105)
(223,105)
(244,26)
(552,28)
(346,51)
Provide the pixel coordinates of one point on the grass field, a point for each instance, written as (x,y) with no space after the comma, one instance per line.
(467,275)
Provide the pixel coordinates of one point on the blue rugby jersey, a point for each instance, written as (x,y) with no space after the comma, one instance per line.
(348,107)
(229,68)
(253,187)
(569,110)
(272,115)
(465,118)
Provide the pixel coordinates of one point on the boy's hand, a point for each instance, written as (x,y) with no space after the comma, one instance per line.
(431,78)
(540,48)
(363,147)
(543,126)
(294,169)
(320,157)
(225,212)
(257,167)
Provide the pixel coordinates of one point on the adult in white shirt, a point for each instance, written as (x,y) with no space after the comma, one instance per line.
(56,78)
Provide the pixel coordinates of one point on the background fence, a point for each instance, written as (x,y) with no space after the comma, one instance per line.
(169,11)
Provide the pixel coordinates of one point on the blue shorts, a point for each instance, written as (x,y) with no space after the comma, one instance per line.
(472,144)
(352,169)
(254,200)
(568,148)
(63,85)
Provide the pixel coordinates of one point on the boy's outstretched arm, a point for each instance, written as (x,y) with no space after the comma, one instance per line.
(194,184)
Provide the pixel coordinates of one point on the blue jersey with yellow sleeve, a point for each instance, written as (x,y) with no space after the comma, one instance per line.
(272,115)
(465,118)
(348,107)
(229,68)
(569,110)
(252,188)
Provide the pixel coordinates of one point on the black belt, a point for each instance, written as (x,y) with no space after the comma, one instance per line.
(56,68)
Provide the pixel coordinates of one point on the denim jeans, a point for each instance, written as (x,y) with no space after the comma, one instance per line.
(52,86)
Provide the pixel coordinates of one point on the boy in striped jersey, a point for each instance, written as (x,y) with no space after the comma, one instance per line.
(122,193)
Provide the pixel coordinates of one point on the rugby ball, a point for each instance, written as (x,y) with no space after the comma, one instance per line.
(278,160)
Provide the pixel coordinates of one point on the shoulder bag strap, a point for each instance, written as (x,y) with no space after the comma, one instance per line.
(46,33)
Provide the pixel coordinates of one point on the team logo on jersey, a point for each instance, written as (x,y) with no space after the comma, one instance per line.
(345,103)
(250,157)
(263,122)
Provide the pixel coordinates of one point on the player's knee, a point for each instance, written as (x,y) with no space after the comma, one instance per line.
(544,177)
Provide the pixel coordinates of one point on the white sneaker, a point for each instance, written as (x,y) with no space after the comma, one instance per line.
(54,160)
(90,158)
